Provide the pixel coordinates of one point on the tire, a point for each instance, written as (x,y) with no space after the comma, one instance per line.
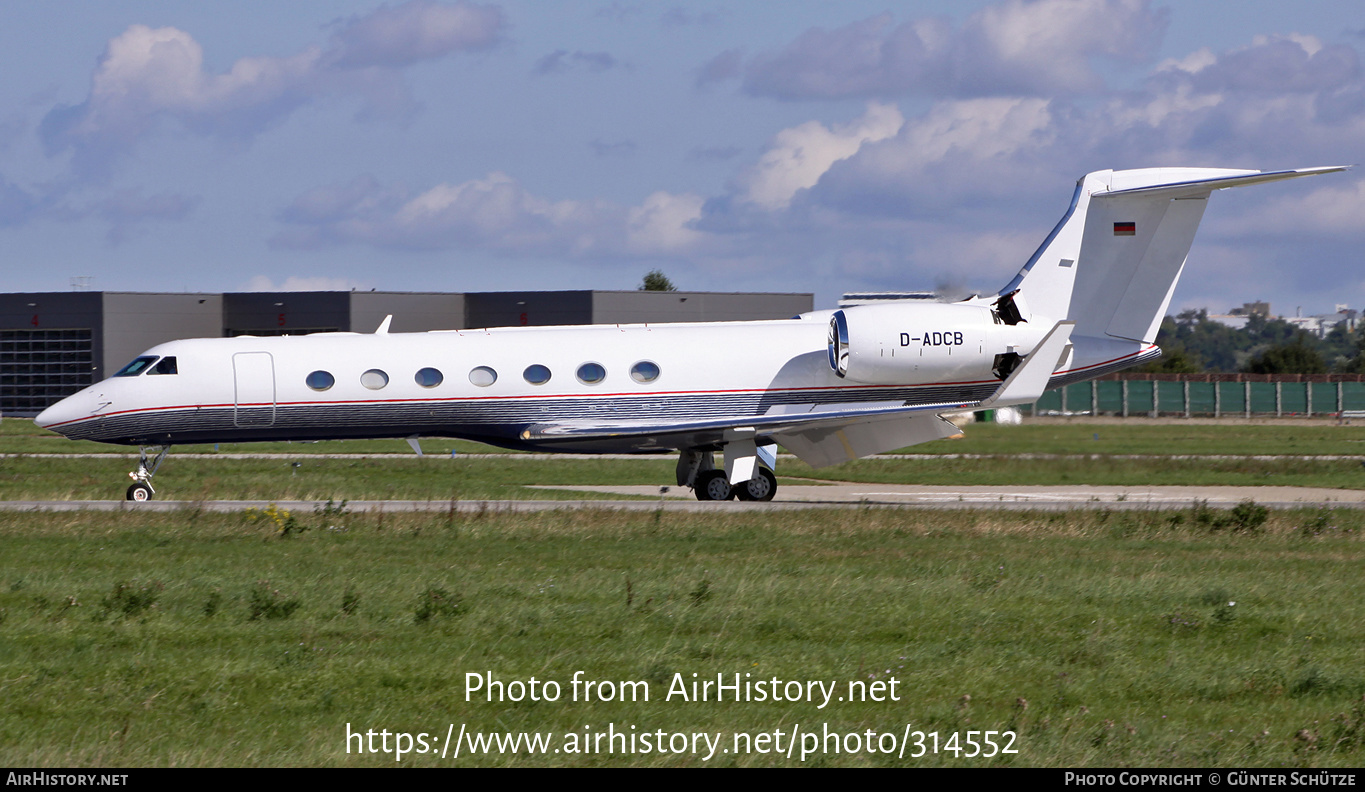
(762,487)
(713,486)
(139,492)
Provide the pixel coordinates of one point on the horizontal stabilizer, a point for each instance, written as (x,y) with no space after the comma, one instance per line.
(1198,188)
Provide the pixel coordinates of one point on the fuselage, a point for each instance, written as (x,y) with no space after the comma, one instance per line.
(490,385)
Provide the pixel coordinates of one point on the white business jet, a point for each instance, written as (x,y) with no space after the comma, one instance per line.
(830,386)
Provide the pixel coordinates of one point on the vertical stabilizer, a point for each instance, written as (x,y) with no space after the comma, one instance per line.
(1112,264)
(1051,271)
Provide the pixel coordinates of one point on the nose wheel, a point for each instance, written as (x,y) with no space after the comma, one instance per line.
(141,488)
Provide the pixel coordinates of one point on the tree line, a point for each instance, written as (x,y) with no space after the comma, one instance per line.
(1191,343)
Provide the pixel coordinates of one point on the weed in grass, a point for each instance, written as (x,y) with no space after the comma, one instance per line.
(701,593)
(330,515)
(1249,516)
(1305,746)
(659,674)
(350,600)
(1215,596)
(130,599)
(66,606)
(451,515)
(1204,517)
(989,580)
(1347,730)
(436,602)
(212,603)
(1310,681)
(1181,621)
(1246,517)
(1320,523)
(284,523)
(268,603)
(1224,614)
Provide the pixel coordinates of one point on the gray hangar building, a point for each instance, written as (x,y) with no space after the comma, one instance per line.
(52,344)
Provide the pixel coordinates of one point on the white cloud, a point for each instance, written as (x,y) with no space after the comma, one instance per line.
(493,213)
(416,31)
(663,224)
(957,194)
(800,156)
(1336,208)
(561,61)
(1042,47)
(1193,63)
(149,75)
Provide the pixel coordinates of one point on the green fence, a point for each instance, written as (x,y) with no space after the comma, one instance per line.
(1217,399)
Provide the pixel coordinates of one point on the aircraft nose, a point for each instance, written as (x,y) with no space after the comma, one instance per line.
(61,414)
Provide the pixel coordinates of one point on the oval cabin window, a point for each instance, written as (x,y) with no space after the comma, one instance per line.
(320,380)
(483,376)
(429,377)
(537,374)
(374,379)
(644,371)
(591,373)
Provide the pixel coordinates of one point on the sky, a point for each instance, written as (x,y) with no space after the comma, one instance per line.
(790,146)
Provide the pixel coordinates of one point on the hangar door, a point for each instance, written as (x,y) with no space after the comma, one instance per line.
(39,368)
(254,376)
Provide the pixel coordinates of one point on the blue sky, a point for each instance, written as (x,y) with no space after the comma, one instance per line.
(766,146)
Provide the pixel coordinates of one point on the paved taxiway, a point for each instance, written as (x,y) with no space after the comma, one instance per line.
(799,496)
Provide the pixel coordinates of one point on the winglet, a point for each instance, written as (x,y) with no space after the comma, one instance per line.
(383,328)
(1027,383)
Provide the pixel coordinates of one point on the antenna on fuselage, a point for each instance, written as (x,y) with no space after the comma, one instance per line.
(383,328)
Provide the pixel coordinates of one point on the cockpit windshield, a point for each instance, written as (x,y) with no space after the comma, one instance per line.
(137,366)
(166,366)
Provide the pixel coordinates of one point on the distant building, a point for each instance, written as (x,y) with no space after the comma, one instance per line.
(1235,321)
(1319,325)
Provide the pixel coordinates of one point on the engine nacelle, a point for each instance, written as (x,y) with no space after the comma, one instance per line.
(925,342)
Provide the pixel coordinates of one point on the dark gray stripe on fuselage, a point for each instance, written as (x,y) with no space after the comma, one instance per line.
(491,418)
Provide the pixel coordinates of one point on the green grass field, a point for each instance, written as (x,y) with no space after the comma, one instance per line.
(1098,638)
(1101,639)
(398,475)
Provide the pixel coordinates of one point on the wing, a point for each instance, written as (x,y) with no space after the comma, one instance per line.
(821,435)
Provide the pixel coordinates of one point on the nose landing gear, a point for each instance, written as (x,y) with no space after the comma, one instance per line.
(141,488)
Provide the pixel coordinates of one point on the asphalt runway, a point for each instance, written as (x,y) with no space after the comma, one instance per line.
(792,497)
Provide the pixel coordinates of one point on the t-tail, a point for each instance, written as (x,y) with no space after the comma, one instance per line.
(1112,263)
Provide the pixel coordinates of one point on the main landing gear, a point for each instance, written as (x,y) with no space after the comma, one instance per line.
(696,469)
(141,488)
